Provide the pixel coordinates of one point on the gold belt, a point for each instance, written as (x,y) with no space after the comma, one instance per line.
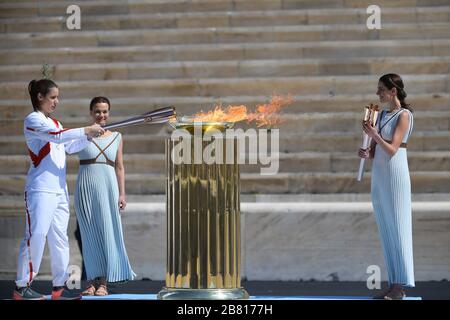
(94,161)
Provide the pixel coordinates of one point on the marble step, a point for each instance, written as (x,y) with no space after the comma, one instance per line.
(420,200)
(223,19)
(103,7)
(298,123)
(288,162)
(218,87)
(229,69)
(318,182)
(236,51)
(316,234)
(429,141)
(125,107)
(224,35)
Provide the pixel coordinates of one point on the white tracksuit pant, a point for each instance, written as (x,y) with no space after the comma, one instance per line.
(47,217)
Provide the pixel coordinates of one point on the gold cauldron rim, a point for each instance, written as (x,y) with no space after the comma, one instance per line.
(188,123)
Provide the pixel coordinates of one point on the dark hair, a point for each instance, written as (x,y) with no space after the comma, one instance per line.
(43,87)
(392,80)
(100,99)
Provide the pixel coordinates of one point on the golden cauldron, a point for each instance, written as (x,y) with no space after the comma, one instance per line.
(203,219)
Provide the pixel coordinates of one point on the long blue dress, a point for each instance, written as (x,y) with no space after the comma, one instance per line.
(391,200)
(97,209)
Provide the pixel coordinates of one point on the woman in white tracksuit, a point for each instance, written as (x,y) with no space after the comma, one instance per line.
(46,196)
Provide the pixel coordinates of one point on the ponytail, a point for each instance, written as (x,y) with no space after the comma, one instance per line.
(43,87)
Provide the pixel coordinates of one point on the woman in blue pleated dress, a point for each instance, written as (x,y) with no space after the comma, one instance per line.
(391,185)
(99,199)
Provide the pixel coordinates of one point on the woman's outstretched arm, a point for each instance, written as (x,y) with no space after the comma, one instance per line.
(120,173)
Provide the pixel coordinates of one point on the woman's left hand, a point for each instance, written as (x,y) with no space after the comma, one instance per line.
(122,203)
(369,130)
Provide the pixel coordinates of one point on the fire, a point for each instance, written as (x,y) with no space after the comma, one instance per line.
(268,114)
(265,114)
(230,114)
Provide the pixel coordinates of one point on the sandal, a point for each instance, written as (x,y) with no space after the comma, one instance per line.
(395,295)
(101,290)
(90,290)
(383,295)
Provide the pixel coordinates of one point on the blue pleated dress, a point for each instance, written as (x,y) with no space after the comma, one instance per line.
(391,200)
(97,209)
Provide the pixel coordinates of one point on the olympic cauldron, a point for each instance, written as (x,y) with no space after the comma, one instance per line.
(203,215)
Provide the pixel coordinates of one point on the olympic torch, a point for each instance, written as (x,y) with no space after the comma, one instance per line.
(161,115)
(370,115)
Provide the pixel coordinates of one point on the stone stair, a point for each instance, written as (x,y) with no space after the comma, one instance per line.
(195,54)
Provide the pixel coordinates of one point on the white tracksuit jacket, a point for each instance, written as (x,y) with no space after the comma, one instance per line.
(46,196)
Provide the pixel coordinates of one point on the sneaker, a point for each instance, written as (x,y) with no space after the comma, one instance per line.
(26,293)
(64,293)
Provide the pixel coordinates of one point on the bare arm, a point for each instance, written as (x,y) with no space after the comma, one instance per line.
(400,131)
(120,173)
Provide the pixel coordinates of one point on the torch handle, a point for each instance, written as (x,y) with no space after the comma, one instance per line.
(361,169)
(366,144)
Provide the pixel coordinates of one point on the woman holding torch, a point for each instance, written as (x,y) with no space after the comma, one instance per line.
(46,196)
(391,185)
(99,197)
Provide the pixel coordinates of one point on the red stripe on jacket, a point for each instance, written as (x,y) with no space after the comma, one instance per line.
(56,122)
(57,132)
(36,159)
(52,133)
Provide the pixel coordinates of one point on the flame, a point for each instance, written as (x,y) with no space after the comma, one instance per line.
(268,114)
(265,114)
(230,114)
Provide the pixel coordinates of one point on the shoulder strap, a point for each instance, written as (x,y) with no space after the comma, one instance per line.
(111,141)
(383,112)
(102,151)
(392,117)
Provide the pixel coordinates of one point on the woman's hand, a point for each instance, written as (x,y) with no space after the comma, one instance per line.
(369,130)
(94,131)
(364,153)
(122,203)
